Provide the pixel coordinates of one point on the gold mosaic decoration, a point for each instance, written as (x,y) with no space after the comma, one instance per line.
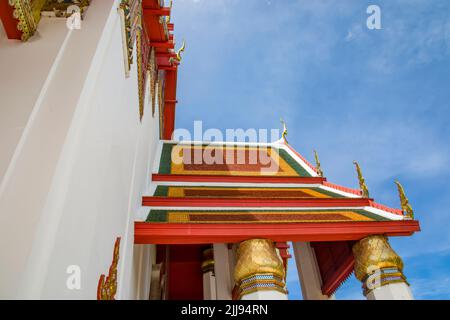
(374,254)
(152,78)
(61,9)
(257,256)
(129,11)
(23,11)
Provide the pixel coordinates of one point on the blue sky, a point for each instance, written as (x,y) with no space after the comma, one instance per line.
(377,96)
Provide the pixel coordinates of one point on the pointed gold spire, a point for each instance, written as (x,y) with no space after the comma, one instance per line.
(362,182)
(285,131)
(318,168)
(183,47)
(406,207)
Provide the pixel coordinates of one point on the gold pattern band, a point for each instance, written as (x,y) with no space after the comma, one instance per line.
(382,278)
(259,282)
(24,13)
(208,260)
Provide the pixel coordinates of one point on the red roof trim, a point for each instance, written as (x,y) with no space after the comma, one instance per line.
(301,157)
(173,233)
(235,179)
(386,208)
(341,188)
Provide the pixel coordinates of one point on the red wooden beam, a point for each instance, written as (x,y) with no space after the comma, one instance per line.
(156,12)
(163,44)
(166,54)
(186,233)
(170,94)
(236,179)
(254,202)
(167,68)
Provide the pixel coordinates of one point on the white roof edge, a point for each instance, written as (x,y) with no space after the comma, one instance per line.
(158,155)
(375,211)
(299,160)
(337,191)
(384,214)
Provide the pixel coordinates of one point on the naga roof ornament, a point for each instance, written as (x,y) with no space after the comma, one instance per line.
(362,181)
(406,207)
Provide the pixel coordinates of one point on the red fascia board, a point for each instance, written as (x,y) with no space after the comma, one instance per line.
(170,97)
(8,21)
(235,179)
(152,4)
(163,44)
(156,12)
(254,202)
(166,55)
(167,68)
(187,233)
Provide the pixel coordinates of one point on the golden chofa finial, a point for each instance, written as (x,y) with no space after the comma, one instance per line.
(318,168)
(285,130)
(406,207)
(183,47)
(362,182)
(168,17)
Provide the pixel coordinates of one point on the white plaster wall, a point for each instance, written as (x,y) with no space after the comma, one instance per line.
(24,67)
(78,170)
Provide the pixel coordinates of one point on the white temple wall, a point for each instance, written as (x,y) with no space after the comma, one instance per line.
(24,68)
(81,161)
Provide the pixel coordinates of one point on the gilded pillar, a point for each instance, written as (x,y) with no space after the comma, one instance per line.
(259,272)
(380,270)
(209,278)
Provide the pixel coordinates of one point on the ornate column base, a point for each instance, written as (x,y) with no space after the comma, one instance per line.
(259,272)
(209,279)
(380,270)
(392,291)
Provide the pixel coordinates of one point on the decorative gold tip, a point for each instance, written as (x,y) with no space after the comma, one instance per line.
(183,47)
(406,207)
(285,130)
(318,168)
(362,182)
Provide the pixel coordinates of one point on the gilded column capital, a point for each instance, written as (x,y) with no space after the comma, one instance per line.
(208,260)
(258,267)
(376,263)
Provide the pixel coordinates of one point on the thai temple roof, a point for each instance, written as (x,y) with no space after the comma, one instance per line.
(190,190)
(228,192)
